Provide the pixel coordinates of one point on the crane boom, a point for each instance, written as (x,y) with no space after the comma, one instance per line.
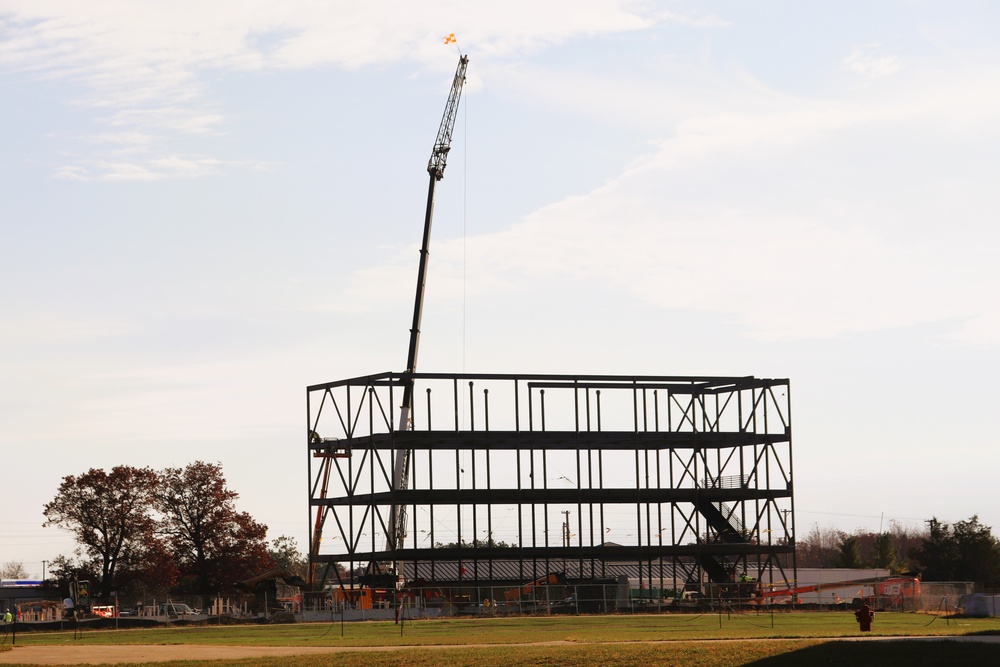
(442,144)
(435,168)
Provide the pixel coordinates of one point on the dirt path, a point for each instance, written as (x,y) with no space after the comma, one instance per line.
(119,653)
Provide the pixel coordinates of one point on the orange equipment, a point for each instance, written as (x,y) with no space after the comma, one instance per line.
(515,594)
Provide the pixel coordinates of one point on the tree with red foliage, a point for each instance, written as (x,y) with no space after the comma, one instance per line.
(107,512)
(211,542)
(148,569)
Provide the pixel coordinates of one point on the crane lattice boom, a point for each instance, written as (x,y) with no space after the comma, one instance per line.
(439,156)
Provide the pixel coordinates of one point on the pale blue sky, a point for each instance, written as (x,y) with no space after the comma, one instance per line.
(208,207)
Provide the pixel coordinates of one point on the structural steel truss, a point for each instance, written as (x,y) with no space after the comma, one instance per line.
(689,475)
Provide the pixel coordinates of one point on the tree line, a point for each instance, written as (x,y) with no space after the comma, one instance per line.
(146,532)
(963,551)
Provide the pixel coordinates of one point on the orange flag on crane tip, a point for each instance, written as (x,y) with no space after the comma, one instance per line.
(450,39)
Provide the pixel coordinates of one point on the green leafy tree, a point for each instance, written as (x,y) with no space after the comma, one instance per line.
(286,556)
(892,550)
(850,553)
(905,539)
(65,569)
(937,553)
(107,512)
(886,553)
(978,552)
(966,551)
(489,543)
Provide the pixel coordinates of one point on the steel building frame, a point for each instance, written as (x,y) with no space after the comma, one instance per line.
(689,475)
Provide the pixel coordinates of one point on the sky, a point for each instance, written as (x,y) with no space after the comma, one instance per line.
(209,206)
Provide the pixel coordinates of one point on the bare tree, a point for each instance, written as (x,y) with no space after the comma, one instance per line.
(819,548)
(13,569)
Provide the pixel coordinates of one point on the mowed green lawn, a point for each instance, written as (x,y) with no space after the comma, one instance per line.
(528,630)
(663,640)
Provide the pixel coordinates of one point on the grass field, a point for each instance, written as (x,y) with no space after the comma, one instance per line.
(799,638)
(520,630)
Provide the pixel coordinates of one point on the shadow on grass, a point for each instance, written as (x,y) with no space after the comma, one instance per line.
(912,653)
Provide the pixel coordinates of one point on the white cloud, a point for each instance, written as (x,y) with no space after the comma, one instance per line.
(71,172)
(822,256)
(786,278)
(709,21)
(145,62)
(866,61)
(185,121)
(124,165)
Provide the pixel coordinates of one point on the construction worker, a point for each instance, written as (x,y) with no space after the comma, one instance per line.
(7,618)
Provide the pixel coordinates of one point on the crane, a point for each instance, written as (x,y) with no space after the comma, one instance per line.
(435,169)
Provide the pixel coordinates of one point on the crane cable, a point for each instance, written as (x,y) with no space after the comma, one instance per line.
(465,234)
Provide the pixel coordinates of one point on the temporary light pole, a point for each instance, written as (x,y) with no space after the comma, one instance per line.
(435,168)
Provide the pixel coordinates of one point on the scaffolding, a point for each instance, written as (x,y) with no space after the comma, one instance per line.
(686,479)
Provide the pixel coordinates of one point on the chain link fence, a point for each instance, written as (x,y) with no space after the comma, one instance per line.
(609,597)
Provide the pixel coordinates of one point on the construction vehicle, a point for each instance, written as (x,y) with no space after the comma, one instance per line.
(532,588)
(104,611)
(891,588)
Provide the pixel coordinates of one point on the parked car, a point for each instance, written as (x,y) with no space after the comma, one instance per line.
(176,609)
